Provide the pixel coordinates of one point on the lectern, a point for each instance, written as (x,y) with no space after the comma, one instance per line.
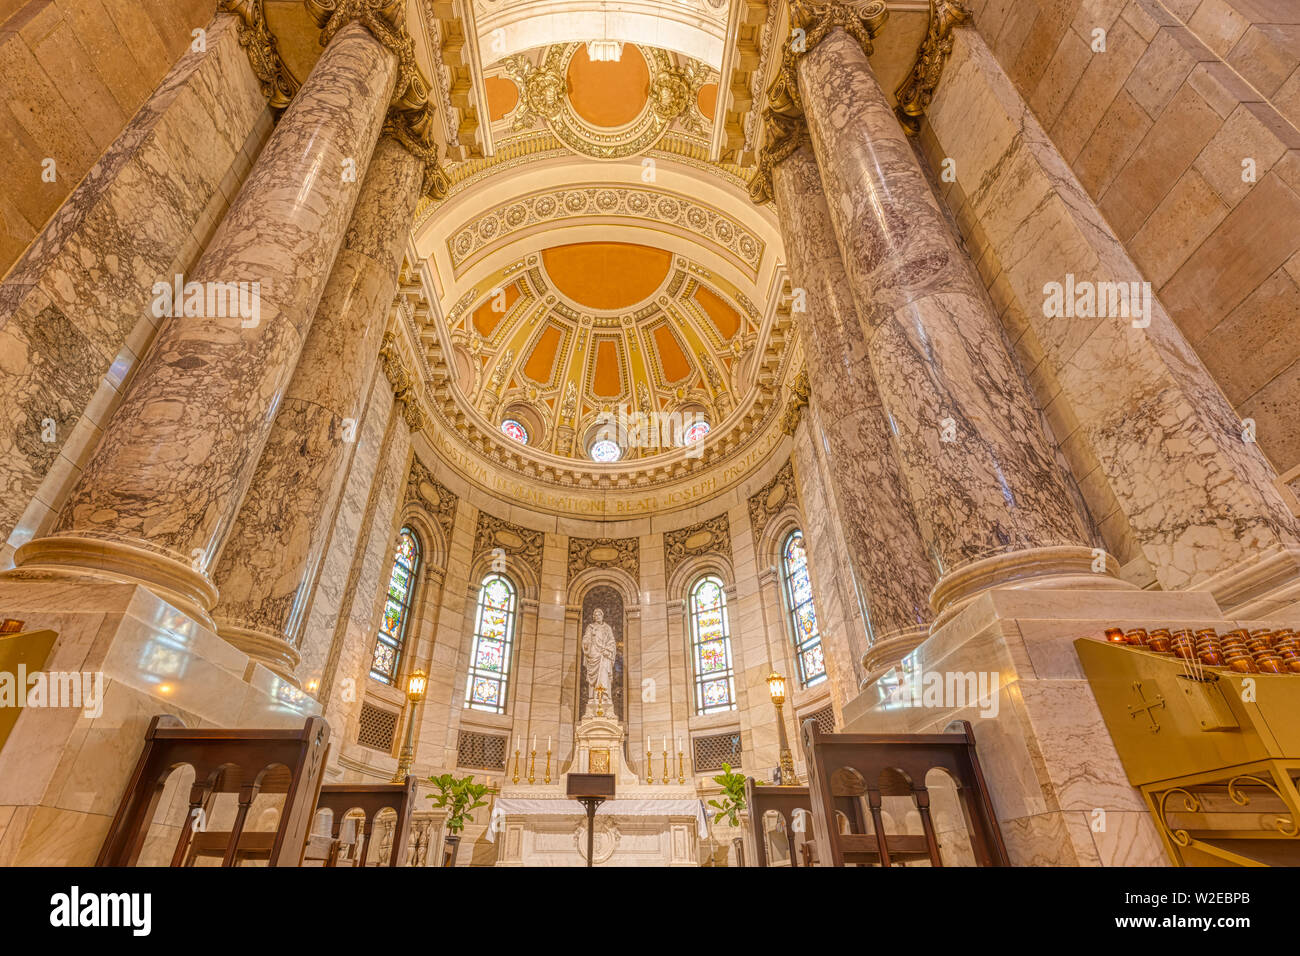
(591,790)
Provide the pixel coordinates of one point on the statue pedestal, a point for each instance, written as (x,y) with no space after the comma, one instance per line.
(646,824)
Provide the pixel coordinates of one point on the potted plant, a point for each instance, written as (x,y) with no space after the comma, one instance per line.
(461,797)
(732,804)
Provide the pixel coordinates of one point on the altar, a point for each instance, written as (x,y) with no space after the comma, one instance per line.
(658,821)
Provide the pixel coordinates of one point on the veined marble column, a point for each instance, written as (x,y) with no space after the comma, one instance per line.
(980,471)
(269,564)
(162,490)
(887,553)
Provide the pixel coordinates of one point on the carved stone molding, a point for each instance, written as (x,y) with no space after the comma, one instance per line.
(587,553)
(800,391)
(423,489)
(404,385)
(783,115)
(771,499)
(915,92)
(712,536)
(278,86)
(516,542)
(583,200)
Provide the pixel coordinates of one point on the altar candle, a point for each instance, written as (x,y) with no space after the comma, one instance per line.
(516,742)
(534,743)
(679,744)
(647,743)
(548,743)
(665,741)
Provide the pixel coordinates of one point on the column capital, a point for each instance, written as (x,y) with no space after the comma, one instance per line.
(916,91)
(278,85)
(403,383)
(410,116)
(783,124)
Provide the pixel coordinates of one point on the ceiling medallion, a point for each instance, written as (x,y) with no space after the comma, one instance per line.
(545,98)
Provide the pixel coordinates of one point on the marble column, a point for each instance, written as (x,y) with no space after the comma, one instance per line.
(887,553)
(980,471)
(269,564)
(162,490)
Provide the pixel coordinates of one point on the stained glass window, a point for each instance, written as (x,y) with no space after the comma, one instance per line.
(715,678)
(515,430)
(605,451)
(803,615)
(397,606)
(494,634)
(695,432)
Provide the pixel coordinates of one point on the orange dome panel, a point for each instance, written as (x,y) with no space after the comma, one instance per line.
(608,94)
(707,99)
(607,275)
(541,363)
(488,315)
(672,359)
(607,382)
(724,318)
(502,96)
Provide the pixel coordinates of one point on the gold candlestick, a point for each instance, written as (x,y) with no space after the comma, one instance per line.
(515,778)
(681,777)
(665,766)
(649,768)
(548,766)
(532,765)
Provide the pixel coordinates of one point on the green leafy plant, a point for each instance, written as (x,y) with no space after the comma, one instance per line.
(462,796)
(733,796)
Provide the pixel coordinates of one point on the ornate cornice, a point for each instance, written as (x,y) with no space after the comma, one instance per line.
(783,115)
(915,92)
(800,392)
(404,390)
(278,86)
(410,120)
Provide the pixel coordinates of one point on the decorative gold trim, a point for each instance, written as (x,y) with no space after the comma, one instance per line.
(278,86)
(916,91)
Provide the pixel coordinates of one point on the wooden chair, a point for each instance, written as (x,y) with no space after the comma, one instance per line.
(787,802)
(895,765)
(246,762)
(370,799)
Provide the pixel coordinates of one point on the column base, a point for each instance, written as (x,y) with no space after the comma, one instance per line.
(889,650)
(1048,759)
(270,650)
(63,769)
(174,581)
(1061,567)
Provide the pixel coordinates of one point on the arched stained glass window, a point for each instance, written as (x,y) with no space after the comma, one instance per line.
(715,677)
(803,615)
(515,430)
(494,637)
(397,608)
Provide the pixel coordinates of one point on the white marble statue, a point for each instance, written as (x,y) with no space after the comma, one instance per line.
(598,650)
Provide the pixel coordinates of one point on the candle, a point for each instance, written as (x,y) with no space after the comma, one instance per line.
(679,744)
(548,743)
(534,742)
(516,741)
(665,741)
(647,743)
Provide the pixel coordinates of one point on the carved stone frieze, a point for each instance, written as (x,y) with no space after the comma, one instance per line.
(712,536)
(423,489)
(522,544)
(772,498)
(624,553)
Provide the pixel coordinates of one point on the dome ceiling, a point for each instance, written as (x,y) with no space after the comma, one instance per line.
(592,328)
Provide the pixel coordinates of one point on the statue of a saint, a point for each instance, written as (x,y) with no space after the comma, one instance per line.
(598,651)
